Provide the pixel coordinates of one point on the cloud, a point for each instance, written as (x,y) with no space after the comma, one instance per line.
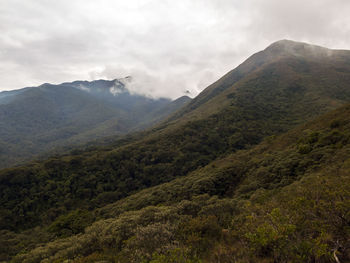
(168,47)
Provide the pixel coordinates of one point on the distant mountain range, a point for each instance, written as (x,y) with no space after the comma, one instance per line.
(39,119)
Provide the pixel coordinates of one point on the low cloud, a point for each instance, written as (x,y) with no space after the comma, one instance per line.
(168,47)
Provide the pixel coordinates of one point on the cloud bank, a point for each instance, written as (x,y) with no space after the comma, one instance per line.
(168,47)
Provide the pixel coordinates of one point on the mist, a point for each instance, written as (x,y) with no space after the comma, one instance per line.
(170,48)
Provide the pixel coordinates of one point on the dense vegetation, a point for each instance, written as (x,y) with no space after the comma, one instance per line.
(213,184)
(285,200)
(42,191)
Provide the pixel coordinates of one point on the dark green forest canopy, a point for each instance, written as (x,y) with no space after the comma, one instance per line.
(256,204)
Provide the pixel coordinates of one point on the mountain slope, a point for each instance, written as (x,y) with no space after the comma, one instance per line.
(273,98)
(284,199)
(36,120)
(275,90)
(285,68)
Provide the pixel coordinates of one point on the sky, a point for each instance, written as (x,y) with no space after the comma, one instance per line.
(170,48)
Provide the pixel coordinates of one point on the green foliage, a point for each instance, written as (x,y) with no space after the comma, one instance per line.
(199,234)
(303,222)
(71,223)
(173,256)
(304,148)
(148,240)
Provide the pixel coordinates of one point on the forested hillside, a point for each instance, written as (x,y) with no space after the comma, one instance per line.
(285,200)
(50,118)
(243,173)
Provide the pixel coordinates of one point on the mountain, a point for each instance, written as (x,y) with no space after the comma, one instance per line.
(245,170)
(39,119)
(284,69)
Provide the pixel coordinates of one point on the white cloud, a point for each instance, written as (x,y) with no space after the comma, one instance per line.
(168,47)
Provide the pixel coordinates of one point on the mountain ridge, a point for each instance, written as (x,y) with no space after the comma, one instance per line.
(42,118)
(268,55)
(204,179)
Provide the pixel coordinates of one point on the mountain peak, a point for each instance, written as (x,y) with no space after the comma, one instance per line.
(287,47)
(286,42)
(101,86)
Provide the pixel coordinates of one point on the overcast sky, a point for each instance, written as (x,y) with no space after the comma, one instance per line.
(167,46)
